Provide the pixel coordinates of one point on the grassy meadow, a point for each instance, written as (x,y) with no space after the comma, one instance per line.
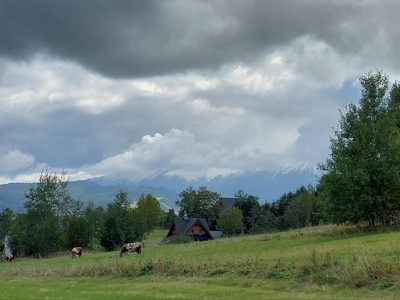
(313,263)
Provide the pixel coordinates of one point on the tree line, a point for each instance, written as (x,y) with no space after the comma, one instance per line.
(53,221)
(359,183)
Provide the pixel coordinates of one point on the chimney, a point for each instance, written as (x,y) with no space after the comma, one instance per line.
(185,217)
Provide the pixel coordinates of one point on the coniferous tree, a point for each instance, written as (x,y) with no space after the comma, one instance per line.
(169,218)
(118,227)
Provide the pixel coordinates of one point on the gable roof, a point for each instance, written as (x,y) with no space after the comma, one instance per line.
(183,225)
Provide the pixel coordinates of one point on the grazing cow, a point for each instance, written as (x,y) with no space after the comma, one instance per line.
(9,258)
(76,251)
(131,247)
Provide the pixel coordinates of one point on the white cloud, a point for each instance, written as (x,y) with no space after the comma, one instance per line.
(254,127)
(15,160)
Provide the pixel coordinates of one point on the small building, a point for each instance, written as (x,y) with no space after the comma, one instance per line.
(216,233)
(197,228)
(226,203)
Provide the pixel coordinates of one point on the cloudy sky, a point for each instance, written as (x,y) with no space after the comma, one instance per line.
(189,88)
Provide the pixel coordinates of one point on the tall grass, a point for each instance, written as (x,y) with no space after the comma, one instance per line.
(311,256)
(359,269)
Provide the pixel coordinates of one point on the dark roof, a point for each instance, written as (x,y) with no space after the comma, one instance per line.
(184,224)
(226,203)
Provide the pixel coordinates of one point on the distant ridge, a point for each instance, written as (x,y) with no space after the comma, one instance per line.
(12,195)
(268,186)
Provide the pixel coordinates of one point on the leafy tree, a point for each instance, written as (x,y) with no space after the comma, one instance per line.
(47,207)
(185,204)
(361,178)
(279,209)
(251,211)
(202,203)
(168,218)
(94,218)
(259,220)
(19,234)
(78,232)
(148,214)
(118,226)
(230,221)
(267,221)
(50,195)
(298,209)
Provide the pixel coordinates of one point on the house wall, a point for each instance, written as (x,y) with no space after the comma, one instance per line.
(196,229)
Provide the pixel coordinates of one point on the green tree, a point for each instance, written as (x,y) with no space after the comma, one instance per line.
(148,214)
(268,219)
(78,232)
(202,203)
(94,218)
(168,218)
(302,210)
(48,206)
(230,221)
(19,234)
(361,178)
(118,223)
(251,211)
(280,208)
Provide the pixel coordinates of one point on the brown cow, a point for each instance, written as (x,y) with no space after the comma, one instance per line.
(131,247)
(9,258)
(76,251)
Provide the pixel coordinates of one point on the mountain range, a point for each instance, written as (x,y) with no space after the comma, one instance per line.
(267,186)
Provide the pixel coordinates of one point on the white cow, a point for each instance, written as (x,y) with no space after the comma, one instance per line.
(131,247)
(76,251)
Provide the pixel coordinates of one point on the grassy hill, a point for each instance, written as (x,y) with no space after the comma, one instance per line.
(312,263)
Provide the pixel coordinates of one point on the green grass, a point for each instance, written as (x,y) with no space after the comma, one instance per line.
(313,263)
(157,235)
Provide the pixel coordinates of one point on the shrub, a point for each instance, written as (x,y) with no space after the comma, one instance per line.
(181,239)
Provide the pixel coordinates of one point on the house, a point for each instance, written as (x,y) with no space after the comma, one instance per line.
(226,203)
(197,228)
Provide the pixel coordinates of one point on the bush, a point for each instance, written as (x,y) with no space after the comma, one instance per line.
(94,244)
(181,239)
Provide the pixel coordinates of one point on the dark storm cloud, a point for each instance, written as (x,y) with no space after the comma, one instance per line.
(144,38)
(241,85)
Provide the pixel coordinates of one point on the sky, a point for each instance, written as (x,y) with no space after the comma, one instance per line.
(133,89)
